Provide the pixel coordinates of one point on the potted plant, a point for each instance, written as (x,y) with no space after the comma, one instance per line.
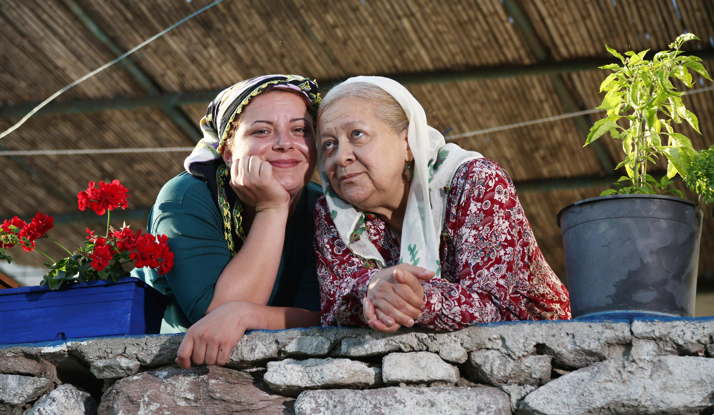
(89,293)
(634,250)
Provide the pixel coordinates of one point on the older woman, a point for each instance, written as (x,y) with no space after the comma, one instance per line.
(239,220)
(415,231)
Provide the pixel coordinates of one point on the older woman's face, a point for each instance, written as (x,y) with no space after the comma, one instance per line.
(364,158)
(277,127)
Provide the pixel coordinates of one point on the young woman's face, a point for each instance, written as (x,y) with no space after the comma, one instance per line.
(277,127)
(364,158)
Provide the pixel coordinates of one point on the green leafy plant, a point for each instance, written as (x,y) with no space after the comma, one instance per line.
(701,175)
(641,92)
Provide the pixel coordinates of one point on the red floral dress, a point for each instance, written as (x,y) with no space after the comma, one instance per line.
(491,266)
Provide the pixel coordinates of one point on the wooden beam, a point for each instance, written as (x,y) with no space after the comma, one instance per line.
(530,37)
(7,282)
(147,84)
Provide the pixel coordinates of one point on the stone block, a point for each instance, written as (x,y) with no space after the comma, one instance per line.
(663,385)
(19,364)
(205,389)
(517,393)
(685,337)
(290,377)
(65,400)
(492,367)
(16,390)
(115,368)
(308,346)
(407,401)
(417,367)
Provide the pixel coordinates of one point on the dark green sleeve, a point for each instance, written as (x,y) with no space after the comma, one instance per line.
(308,291)
(190,219)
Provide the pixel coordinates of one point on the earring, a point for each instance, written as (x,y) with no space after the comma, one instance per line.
(408,171)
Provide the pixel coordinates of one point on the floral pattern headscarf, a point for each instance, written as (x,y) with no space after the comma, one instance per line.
(220,113)
(435,164)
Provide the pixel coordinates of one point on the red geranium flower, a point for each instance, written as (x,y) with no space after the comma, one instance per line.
(16,222)
(126,239)
(38,226)
(102,255)
(108,196)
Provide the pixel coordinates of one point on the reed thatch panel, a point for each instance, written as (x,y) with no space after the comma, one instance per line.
(45,48)
(579,29)
(528,153)
(143,174)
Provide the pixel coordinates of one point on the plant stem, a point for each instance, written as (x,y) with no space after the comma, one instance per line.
(48,257)
(109,215)
(61,246)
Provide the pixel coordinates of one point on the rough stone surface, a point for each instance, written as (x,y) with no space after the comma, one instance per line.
(687,337)
(492,367)
(290,377)
(16,390)
(118,367)
(308,346)
(18,364)
(10,410)
(664,385)
(206,390)
(65,400)
(452,351)
(517,393)
(395,401)
(417,367)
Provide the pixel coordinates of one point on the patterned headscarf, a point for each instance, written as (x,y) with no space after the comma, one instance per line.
(220,114)
(435,164)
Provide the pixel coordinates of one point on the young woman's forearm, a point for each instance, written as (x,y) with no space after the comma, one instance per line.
(250,275)
(278,318)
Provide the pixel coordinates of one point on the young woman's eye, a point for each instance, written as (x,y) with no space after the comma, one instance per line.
(261,131)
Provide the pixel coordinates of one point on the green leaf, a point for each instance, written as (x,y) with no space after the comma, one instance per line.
(610,78)
(682,74)
(612,66)
(601,127)
(698,68)
(612,99)
(676,192)
(608,192)
(614,53)
(678,159)
(642,54)
(692,120)
(683,143)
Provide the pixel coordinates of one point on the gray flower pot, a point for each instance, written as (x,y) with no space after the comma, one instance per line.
(631,255)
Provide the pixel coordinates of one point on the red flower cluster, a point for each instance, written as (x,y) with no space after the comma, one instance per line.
(108,196)
(152,253)
(5,227)
(38,226)
(144,249)
(102,254)
(28,232)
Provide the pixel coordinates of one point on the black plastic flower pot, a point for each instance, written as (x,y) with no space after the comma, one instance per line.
(631,255)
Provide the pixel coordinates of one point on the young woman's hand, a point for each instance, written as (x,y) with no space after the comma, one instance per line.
(395,297)
(253,181)
(211,340)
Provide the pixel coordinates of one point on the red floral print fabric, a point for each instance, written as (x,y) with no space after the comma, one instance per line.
(491,267)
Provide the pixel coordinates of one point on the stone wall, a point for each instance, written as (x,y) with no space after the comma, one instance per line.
(642,366)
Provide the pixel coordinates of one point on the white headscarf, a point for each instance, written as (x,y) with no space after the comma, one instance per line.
(435,164)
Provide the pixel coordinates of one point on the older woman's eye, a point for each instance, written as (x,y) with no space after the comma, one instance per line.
(357,133)
(328,145)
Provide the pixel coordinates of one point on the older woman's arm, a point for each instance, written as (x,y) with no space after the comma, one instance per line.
(343,276)
(499,271)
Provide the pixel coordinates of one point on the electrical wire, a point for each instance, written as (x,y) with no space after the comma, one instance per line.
(103,67)
(449,137)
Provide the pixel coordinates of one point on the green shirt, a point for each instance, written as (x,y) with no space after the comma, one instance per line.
(186,213)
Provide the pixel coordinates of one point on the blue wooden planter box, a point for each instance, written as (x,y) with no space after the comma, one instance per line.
(88,309)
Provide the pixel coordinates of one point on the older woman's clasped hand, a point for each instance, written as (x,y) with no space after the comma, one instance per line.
(395,297)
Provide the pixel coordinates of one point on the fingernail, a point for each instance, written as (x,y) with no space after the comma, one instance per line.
(390,322)
(410,322)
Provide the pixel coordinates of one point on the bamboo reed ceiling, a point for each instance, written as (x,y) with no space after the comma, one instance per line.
(48,44)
